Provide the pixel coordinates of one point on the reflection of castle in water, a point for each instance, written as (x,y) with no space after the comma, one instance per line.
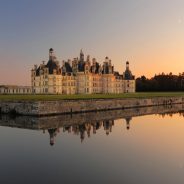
(85,130)
(86,124)
(53,132)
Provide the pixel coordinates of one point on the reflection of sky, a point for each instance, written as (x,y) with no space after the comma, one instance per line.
(148,33)
(150,152)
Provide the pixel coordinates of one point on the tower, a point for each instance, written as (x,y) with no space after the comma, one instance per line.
(81,55)
(51,54)
(127,65)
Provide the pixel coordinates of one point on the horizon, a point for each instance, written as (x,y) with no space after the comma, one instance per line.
(147,34)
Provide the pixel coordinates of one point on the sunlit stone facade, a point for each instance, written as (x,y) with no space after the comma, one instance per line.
(80,76)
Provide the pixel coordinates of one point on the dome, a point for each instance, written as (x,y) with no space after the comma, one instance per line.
(51,50)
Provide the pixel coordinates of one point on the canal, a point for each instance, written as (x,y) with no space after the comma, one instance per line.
(143,145)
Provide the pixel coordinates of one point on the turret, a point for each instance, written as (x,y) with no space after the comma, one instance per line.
(106,59)
(128,74)
(88,58)
(51,54)
(127,65)
(81,55)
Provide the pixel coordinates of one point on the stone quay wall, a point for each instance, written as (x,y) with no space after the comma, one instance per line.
(57,121)
(41,108)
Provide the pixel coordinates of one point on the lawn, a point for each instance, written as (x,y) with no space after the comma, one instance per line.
(91,96)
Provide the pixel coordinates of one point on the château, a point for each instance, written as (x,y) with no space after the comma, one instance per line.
(80,76)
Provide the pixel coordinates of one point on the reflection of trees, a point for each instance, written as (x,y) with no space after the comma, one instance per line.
(170,114)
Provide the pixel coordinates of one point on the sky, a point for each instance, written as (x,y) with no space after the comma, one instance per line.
(149,34)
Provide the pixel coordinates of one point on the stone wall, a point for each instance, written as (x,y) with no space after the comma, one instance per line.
(48,122)
(39,108)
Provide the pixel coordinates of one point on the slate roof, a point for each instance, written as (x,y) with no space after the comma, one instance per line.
(52,65)
(81,66)
(97,66)
(68,68)
(128,75)
(105,70)
(38,71)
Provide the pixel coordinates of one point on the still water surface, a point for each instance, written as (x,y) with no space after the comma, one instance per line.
(145,149)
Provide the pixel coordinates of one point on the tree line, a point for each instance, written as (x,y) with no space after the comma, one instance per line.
(161,82)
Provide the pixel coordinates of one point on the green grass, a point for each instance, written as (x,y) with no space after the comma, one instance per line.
(92,96)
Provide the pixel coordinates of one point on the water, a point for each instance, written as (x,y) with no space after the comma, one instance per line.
(132,146)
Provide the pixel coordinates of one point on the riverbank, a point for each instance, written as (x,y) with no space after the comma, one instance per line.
(70,106)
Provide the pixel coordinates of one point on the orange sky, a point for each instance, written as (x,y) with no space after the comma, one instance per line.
(147,33)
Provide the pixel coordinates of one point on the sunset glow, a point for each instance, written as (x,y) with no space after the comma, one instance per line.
(147,33)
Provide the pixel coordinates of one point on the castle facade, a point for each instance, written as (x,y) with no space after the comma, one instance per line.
(80,76)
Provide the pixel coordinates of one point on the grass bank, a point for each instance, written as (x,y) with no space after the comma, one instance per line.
(91,96)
